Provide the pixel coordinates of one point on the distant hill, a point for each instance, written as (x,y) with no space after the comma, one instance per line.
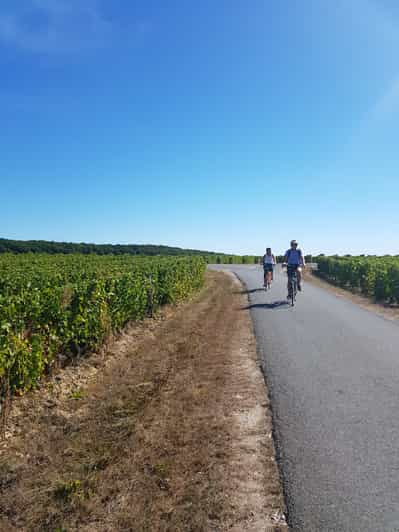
(44,246)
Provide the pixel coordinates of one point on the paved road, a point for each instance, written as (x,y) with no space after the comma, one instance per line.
(333,375)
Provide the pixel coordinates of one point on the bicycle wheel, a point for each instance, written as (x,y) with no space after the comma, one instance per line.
(293,291)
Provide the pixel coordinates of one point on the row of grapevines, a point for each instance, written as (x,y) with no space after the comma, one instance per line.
(231,259)
(243,259)
(375,277)
(71,303)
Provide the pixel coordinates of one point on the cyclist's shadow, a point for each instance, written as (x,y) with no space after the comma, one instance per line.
(267,306)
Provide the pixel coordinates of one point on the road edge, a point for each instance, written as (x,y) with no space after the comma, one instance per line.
(388,313)
(281,518)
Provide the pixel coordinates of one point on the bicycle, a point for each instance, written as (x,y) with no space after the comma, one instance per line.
(292,283)
(268,275)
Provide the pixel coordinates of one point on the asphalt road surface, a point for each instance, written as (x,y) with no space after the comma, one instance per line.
(333,374)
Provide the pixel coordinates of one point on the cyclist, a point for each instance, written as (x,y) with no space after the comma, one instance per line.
(269,261)
(294,260)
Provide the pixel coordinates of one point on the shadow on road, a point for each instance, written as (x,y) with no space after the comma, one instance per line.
(268,306)
(250,291)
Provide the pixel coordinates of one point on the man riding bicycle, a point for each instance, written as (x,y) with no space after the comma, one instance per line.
(294,260)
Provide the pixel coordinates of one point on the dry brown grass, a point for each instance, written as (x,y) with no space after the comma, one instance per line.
(388,312)
(173,434)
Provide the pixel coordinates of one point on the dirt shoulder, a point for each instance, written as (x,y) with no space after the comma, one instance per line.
(169,429)
(390,313)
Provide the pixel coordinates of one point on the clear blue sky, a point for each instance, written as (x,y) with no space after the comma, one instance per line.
(214,124)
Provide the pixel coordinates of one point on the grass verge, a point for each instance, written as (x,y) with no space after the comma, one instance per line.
(386,311)
(173,433)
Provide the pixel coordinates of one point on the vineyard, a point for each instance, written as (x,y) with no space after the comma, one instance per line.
(232,259)
(375,277)
(68,304)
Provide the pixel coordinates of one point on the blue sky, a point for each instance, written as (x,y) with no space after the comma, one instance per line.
(221,124)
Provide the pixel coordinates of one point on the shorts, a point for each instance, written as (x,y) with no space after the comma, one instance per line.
(268,267)
(291,268)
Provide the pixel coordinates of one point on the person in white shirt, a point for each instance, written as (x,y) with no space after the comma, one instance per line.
(269,262)
(294,260)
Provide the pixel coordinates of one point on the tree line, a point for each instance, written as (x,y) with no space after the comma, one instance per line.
(50,247)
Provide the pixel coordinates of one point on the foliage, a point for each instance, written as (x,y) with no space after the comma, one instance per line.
(70,303)
(375,277)
(220,258)
(44,246)
(66,248)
